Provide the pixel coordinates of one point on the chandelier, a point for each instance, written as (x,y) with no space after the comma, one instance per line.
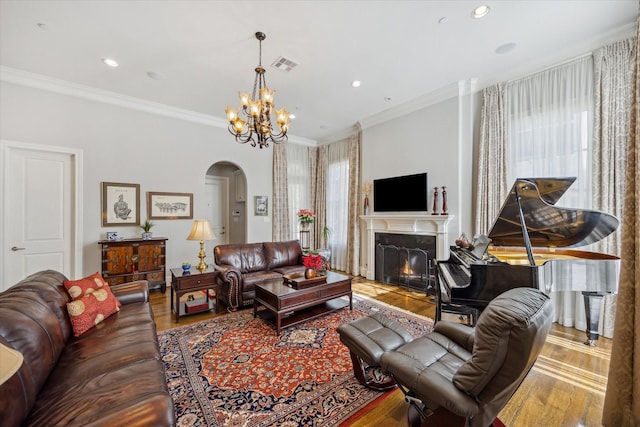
(252,123)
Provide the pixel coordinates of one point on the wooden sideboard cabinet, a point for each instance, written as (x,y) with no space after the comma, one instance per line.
(135,259)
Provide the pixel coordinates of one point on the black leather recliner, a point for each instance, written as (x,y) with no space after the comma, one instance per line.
(457,375)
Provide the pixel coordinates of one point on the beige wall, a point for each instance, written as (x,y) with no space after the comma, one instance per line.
(124,145)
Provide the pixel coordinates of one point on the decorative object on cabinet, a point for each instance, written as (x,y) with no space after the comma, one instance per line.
(261,205)
(146,229)
(129,260)
(201,231)
(193,280)
(120,204)
(112,236)
(169,205)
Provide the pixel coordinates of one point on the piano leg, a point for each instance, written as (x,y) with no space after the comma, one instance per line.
(592,308)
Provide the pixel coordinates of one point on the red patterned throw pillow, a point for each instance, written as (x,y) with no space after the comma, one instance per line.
(92,302)
(89,310)
(79,288)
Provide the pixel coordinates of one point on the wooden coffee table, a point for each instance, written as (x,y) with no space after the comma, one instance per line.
(284,306)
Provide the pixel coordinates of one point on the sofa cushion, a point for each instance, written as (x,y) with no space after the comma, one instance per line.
(91,309)
(247,258)
(281,254)
(290,269)
(108,363)
(251,279)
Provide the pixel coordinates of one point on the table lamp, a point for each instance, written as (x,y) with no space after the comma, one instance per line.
(201,231)
(10,362)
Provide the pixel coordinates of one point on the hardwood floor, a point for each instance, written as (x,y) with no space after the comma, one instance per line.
(565,388)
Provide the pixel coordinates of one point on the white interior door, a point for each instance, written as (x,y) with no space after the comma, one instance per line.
(39,219)
(217,196)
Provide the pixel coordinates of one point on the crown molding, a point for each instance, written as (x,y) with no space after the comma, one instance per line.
(51,84)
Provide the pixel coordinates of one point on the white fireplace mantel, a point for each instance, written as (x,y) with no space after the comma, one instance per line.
(415,224)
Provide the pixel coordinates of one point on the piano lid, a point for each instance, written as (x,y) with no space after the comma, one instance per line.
(546,224)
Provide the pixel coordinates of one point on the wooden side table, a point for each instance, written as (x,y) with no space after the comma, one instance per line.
(183,282)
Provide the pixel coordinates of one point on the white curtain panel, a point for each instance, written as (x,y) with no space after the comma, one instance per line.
(337,202)
(492,177)
(548,132)
(299,188)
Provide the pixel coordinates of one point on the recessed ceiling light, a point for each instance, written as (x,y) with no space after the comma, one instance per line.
(386,98)
(355,83)
(442,20)
(42,25)
(480,11)
(292,116)
(110,62)
(505,48)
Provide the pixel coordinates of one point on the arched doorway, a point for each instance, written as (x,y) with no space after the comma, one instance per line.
(226,193)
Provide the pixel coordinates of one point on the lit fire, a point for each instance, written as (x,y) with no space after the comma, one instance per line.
(406,270)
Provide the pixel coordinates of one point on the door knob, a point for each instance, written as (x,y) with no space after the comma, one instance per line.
(15,248)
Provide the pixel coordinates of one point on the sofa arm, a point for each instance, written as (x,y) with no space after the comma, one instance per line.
(457,332)
(131,292)
(232,279)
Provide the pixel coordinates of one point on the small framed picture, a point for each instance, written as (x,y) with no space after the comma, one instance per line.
(112,235)
(169,205)
(120,204)
(261,205)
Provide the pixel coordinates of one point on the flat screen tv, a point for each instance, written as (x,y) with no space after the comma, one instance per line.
(401,194)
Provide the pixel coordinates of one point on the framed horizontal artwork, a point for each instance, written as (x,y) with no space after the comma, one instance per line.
(169,205)
(261,205)
(120,204)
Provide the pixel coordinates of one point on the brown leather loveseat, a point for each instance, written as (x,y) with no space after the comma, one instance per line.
(242,266)
(111,375)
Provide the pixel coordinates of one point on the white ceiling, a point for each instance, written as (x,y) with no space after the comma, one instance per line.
(206,50)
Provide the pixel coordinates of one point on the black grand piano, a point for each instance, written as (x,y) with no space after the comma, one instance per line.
(528,241)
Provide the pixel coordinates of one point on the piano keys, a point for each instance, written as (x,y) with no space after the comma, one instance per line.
(528,249)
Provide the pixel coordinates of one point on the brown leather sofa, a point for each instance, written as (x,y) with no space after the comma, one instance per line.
(242,266)
(112,375)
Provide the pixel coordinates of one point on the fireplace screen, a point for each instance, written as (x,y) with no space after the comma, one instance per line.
(406,260)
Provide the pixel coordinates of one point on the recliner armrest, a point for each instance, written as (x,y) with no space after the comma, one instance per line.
(131,292)
(461,334)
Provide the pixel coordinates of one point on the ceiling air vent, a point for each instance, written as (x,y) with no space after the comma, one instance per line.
(284,64)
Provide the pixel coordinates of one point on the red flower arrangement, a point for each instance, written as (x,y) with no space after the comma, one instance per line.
(312,261)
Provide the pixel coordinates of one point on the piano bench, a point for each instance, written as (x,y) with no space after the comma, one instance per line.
(368,339)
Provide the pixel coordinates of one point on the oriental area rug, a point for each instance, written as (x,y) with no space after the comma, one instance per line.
(233,370)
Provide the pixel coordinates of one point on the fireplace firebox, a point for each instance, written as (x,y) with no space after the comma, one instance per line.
(406,260)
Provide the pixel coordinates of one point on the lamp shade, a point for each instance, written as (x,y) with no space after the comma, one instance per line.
(10,362)
(201,231)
